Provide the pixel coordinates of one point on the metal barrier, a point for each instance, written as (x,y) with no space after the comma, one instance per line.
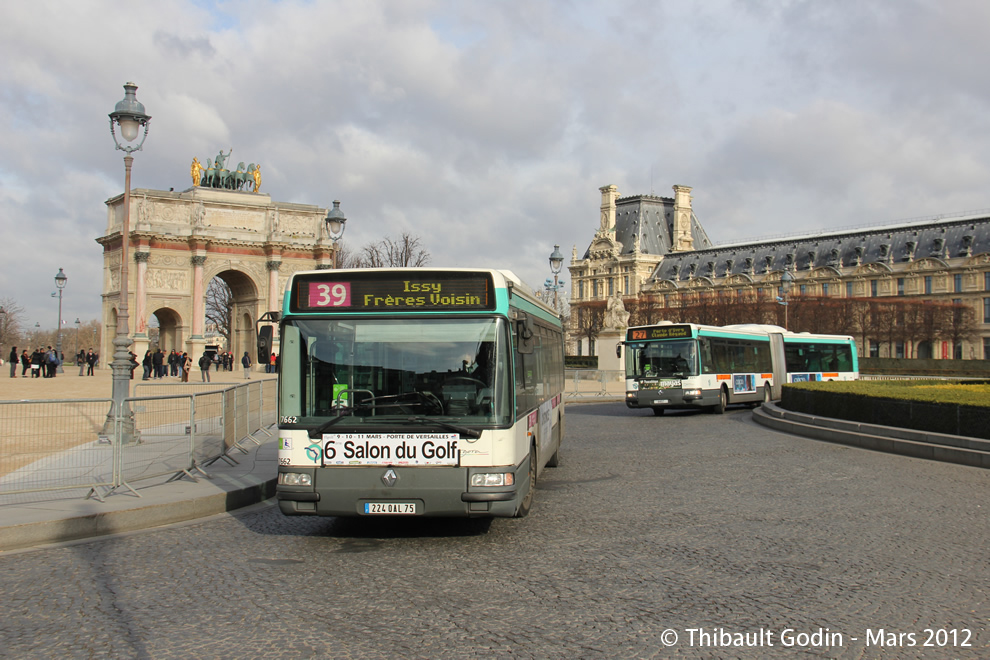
(594,383)
(51,445)
(61,444)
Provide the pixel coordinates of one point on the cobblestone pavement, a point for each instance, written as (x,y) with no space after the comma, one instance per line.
(657,537)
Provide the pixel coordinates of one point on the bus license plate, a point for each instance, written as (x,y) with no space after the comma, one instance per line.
(390,508)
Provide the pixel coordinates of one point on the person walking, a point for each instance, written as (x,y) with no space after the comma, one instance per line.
(186,366)
(90,362)
(36,359)
(25,363)
(158,363)
(51,362)
(13,359)
(173,363)
(146,364)
(246,361)
(204,367)
(81,361)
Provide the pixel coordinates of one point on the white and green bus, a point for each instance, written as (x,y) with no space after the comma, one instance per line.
(409,391)
(685,365)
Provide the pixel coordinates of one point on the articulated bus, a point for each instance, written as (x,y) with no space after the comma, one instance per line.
(419,392)
(683,366)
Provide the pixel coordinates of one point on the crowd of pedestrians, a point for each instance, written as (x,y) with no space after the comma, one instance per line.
(44,363)
(157,364)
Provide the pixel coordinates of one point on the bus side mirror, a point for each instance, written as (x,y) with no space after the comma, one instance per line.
(618,350)
(265,335)
(525,337)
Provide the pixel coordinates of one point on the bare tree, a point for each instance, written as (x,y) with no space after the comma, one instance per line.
(589,320)
(220,307)
(10,323)
(405,251)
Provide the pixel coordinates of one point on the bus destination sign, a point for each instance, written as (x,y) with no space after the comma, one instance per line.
(659,332)
(402,291)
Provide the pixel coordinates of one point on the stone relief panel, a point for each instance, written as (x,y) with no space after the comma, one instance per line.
(160,279)
(166,259)
(235,219)
(298,224)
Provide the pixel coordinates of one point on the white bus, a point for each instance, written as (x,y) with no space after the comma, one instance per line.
(423,392)
(685,365)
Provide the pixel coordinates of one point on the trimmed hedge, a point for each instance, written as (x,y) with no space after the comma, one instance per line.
(931,406)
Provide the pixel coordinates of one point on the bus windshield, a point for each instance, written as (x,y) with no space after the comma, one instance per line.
(374,368)
(675,358)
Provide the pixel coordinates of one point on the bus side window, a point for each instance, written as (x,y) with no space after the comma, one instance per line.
(708,365)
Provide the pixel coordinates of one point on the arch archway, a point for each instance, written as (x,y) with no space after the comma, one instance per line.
(169,325)
(231,310)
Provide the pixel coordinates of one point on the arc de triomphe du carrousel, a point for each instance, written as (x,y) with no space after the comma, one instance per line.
(223,226)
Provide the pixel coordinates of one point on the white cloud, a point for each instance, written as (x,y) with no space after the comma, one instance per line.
(487,128)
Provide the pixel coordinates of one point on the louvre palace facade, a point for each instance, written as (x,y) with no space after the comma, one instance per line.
(653,249)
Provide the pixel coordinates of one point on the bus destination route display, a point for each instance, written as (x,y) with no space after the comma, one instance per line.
(659,332)
(403,291)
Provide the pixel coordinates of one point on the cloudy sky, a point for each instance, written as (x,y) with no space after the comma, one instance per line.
(486,128)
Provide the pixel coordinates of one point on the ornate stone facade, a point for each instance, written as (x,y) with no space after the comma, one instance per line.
(180,241)
(941,259)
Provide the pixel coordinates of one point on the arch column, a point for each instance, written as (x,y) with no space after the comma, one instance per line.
(273,267)
(197,342)
(141,342)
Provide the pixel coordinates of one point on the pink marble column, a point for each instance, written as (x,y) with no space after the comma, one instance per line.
(199,303)
(141,293)
(273,268)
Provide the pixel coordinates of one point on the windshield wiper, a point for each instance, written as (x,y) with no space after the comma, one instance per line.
(456,428)
(322,428)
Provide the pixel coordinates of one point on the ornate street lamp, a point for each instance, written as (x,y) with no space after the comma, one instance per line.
(78,323)
(786,282)
(556,262)
(60,281)
(335,227)
(129,116)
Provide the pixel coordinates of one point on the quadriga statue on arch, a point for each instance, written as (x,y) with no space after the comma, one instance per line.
(216,174)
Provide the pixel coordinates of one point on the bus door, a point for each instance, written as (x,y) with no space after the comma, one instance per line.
(779,364)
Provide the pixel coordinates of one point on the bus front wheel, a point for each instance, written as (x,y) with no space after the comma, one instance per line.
(723,401)
(527,501)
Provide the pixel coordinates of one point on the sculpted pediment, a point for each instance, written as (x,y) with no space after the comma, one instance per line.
(979,260)
(700,283)
(873,269)
(928,263)
(825,272)
(604,247)
(739,278)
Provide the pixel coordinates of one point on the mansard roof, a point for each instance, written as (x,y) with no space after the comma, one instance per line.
(934,238)
(652,219)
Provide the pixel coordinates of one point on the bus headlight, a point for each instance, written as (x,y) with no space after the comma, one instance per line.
(492,479)
(295,479)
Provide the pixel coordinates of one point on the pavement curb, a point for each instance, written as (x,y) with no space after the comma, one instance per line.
(18,537)
(906,442)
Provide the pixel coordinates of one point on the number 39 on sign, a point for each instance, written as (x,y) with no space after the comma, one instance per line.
(329,294)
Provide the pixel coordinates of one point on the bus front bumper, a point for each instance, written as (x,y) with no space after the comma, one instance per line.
(434,491)
(684,399)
